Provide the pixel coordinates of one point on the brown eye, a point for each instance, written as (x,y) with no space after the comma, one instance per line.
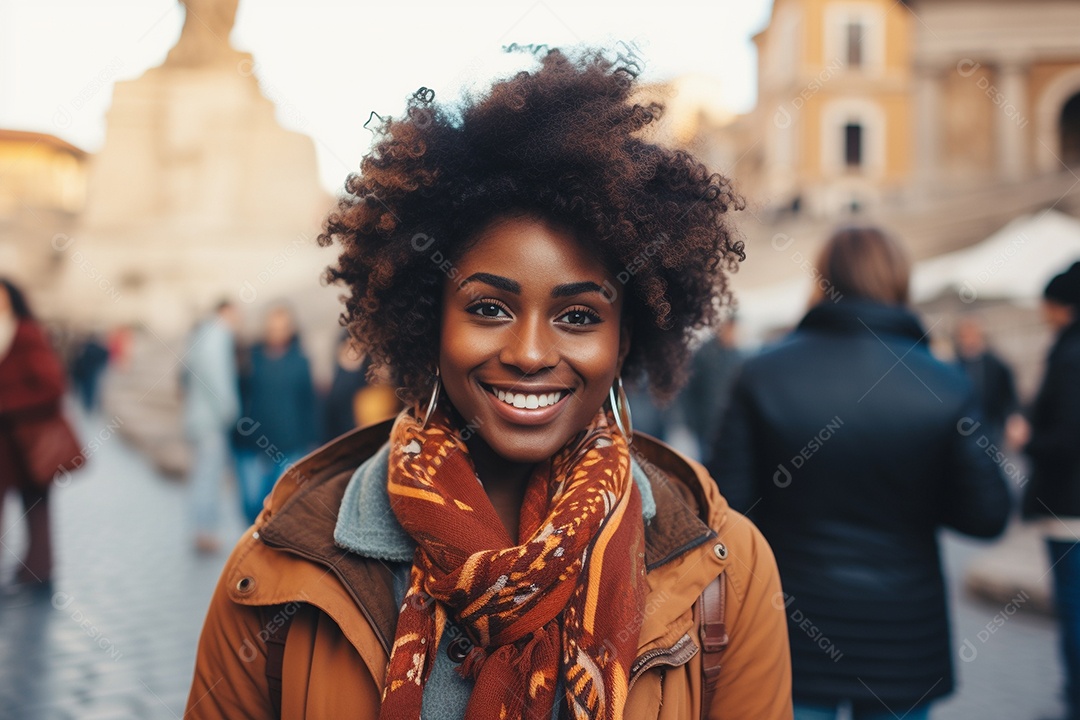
(580,316)
(488,310)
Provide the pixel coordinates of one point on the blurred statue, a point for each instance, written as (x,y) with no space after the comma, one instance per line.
(204,39)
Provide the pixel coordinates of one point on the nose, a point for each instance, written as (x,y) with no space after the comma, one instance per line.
(531,346)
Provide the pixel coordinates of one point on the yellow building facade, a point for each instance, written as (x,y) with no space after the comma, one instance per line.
(42,192)
(40,171)
(833,119)
(899,107)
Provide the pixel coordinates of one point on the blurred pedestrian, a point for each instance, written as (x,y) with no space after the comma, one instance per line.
(31,390)
(1053,493)
(355,400)
(649,416)
(211,407)
(704,400)
(377,400)
(278,425)
(849,444)
(991,376)
(88,365)
(340,404)
(498,549)
(120,341)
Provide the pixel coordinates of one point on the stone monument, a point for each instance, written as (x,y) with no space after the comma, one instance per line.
(198,193)
(204,39)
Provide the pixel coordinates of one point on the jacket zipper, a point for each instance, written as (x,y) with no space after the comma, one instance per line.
(678,654)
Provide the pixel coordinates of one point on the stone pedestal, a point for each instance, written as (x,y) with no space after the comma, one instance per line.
(197,194)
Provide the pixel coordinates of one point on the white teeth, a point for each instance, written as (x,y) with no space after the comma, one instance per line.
(530,402)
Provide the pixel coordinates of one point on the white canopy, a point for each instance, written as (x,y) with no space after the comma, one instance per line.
(1015,263)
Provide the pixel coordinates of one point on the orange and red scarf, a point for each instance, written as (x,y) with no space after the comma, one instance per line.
(563,602)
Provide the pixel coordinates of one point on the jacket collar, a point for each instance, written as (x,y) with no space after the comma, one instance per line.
(864,316)
(302,513)
(1067,336)
(366,523)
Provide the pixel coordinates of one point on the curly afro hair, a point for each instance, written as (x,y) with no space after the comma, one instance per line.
(563,143)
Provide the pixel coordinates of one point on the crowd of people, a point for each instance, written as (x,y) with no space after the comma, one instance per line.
(514,541)
(251,409)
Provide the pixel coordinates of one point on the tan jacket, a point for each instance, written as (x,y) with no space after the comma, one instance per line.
(342,609)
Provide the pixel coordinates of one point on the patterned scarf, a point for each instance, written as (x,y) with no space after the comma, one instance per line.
(565,598)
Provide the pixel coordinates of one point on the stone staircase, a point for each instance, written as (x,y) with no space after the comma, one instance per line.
(939,223)
(953,220)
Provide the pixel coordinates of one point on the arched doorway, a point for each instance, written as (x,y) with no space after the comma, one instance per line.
(1069,129)
(1054,124)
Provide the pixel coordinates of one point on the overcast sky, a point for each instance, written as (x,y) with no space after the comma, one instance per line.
(329,63)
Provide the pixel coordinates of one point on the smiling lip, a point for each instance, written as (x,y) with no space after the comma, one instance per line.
(527,416)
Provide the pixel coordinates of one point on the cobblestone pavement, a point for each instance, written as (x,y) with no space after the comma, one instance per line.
(116,638)
(1006,659)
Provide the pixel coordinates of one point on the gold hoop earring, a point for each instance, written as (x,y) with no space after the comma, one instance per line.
(434,399)
(620,408)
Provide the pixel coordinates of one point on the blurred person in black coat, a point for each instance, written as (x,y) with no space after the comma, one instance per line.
(991,376)
(90,361)
(704,400)
(851,445)
(355,400)
(1053,494)
(350,377)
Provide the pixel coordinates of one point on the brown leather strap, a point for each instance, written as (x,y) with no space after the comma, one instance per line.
(714,638)
(276,626)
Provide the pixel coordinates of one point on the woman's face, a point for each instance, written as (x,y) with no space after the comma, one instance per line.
(531,337)
(279,328)
(1056,315)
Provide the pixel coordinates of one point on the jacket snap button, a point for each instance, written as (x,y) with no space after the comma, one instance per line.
(720,550)
(246,584)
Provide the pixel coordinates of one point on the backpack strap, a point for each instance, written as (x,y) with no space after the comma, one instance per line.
(714,637)
(276,626)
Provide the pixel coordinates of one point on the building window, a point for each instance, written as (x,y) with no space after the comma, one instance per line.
(855,33)
(852,140)
(853,145)
(1070,132)
(855,36)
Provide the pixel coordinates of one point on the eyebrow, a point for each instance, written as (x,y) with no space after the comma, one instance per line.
(576,288)
(511,286)
(496,281)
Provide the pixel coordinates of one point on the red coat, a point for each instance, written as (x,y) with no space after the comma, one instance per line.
(31,385)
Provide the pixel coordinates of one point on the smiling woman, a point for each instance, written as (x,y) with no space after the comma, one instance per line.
(508,547)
